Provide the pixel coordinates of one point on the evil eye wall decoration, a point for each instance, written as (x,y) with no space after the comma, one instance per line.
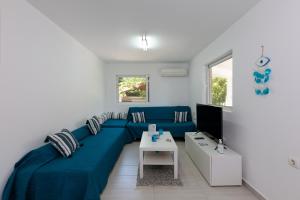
(262,75)
(262,91)
(262,61)
(262,78)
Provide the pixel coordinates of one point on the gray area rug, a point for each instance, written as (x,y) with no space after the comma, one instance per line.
(158,175)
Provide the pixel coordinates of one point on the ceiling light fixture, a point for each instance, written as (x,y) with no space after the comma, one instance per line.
(144,42)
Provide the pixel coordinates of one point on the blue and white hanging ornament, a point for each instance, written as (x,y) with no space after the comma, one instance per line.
(262,75)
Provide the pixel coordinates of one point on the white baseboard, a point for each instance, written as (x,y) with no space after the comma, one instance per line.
(256,192)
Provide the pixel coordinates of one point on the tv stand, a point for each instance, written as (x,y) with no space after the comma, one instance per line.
(218,169)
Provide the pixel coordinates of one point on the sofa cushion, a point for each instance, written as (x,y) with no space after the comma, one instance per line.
(138,117)
(176,129)
(114,123)
(163,113)
(180,117)
(93,125)
(119,123)
(120,115)
(163,117)
(64,142)
(110,115)
(85,174)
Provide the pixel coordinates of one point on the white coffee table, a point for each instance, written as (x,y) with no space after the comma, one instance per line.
(161,152)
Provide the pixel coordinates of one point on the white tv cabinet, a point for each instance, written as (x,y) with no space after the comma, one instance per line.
(218,169)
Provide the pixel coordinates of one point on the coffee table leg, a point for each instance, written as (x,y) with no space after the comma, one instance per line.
(141,164)
(175,164)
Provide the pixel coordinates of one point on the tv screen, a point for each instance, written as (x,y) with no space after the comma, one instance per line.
(210,120)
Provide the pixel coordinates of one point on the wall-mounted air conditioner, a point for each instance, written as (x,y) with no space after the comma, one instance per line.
(173,72)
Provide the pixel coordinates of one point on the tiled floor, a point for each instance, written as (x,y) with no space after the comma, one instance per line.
(122,182)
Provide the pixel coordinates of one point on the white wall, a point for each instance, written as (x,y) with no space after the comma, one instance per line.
(48,81)
(264,130)
(163,90)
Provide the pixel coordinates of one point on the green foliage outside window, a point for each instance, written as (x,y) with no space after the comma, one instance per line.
(132,89)
(219,91)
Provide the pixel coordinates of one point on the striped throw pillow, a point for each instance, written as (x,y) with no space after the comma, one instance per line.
(180,117)
(138,117)
(64,141)
(101,119)
(96,118)
(110,115)
(93,125)
(115,116)
(104,117)
(123,115)
(120,115)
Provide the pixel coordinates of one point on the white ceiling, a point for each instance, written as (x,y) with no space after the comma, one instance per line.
(177,29)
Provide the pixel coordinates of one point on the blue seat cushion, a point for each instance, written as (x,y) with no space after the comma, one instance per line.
(121,123)
(160,113)
(85,174)
(176,129)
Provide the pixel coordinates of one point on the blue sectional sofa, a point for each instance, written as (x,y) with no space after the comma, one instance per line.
(119,123)
(44,174)
(163,117)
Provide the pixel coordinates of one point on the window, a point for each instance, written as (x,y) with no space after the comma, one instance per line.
(220,81)
(133,89)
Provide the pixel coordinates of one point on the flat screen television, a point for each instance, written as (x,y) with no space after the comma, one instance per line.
(210,121)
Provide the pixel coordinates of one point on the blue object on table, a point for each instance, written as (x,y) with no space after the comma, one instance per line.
(154,138)
(161,131)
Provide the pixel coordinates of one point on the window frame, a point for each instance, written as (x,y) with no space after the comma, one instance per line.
(228,55)
(133,75)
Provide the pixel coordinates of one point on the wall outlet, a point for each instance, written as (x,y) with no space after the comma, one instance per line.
(294,162)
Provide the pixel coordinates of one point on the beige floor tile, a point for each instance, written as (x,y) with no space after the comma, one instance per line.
(125,170)
(139,193)
(174,193)
(231,197)
(122,182)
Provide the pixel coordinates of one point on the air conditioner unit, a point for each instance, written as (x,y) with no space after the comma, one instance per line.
(173,72)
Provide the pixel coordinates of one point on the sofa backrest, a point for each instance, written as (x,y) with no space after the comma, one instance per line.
(162,113)
(81,132)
